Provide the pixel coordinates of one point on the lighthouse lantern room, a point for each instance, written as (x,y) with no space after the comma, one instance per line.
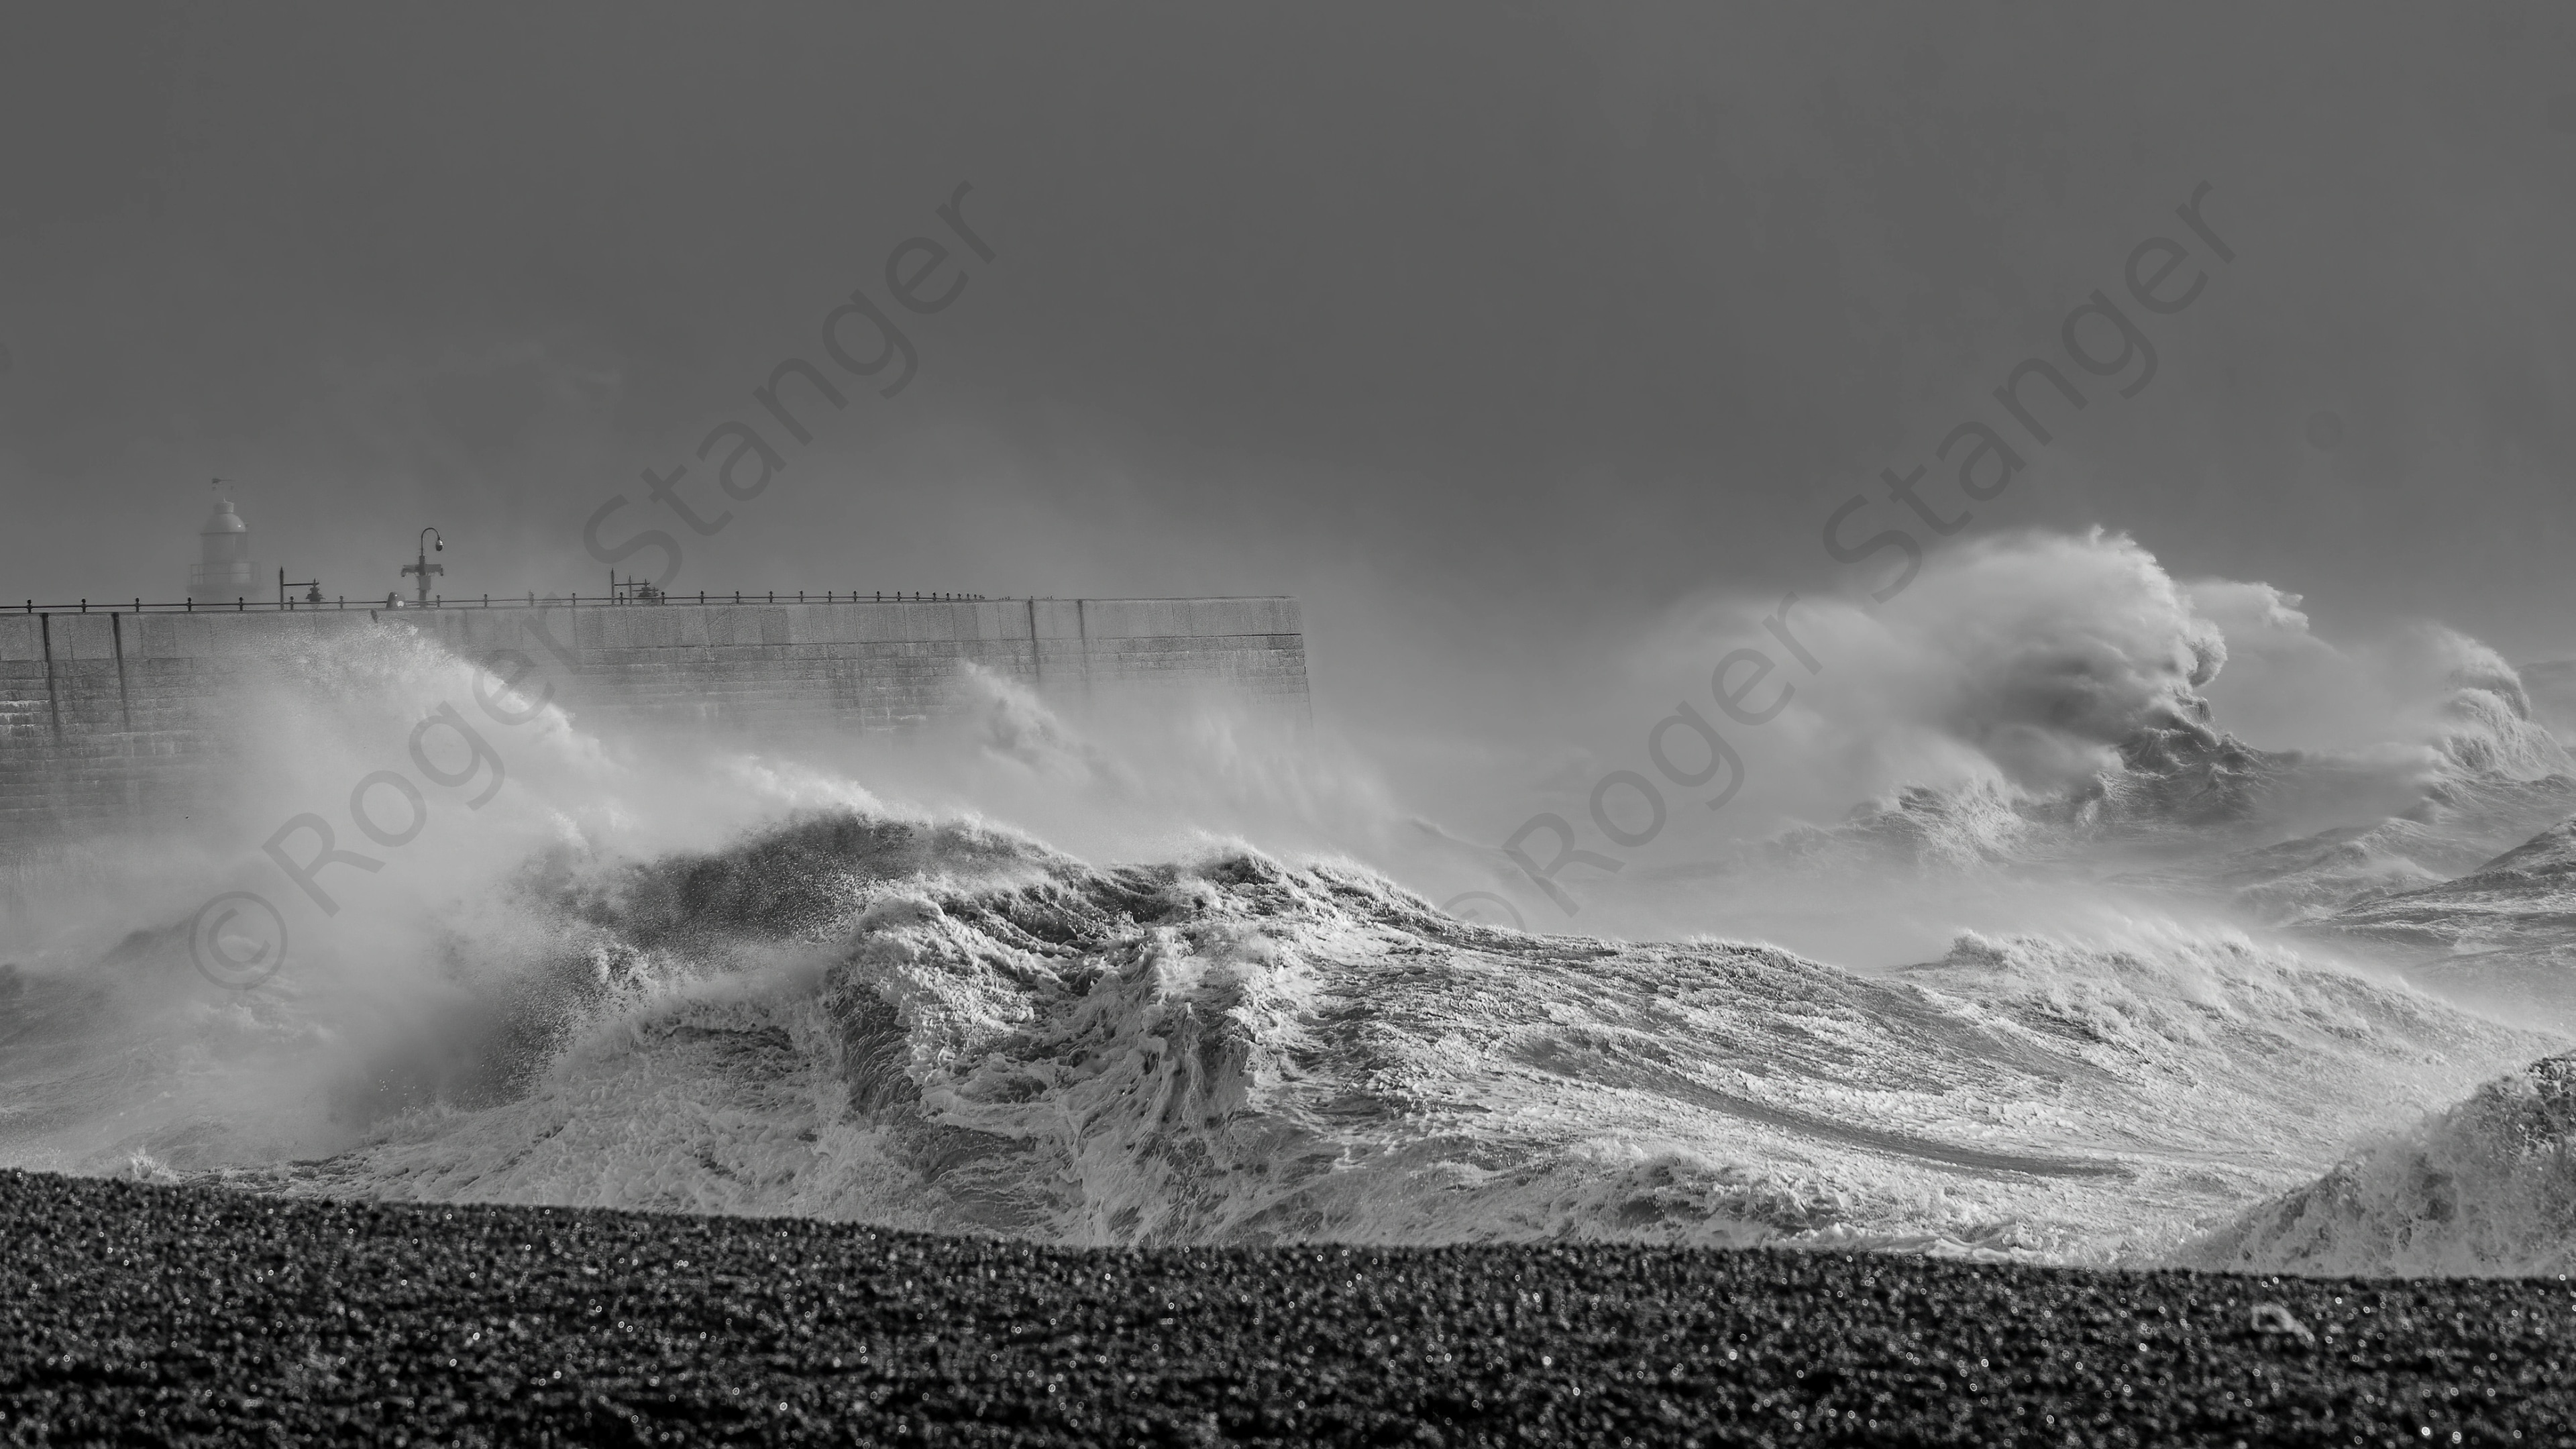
(224,569)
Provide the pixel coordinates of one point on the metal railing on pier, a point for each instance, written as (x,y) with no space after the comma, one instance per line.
(623,598)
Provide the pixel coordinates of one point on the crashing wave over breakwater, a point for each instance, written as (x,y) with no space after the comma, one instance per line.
(943,1025)
(2203,1001)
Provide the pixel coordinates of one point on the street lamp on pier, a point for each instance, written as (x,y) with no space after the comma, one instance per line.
(429,540)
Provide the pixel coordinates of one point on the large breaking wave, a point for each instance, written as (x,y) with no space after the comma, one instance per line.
(948,1026)
(2184,997)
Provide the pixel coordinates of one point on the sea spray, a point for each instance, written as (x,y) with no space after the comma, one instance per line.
(926,1024)
(2487,1188)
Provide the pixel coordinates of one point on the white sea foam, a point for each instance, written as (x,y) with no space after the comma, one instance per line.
(728,975)
(941,1025)
(2487,1188)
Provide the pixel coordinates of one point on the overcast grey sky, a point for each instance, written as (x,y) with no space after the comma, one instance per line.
(1493,331)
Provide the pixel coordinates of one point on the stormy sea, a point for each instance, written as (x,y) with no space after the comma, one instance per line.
(2128,1000)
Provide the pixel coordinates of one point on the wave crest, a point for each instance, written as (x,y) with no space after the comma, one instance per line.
(2486,1188)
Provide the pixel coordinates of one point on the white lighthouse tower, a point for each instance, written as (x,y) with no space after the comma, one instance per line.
(224,570)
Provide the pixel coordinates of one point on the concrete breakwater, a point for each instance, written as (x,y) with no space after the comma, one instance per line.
(114,721)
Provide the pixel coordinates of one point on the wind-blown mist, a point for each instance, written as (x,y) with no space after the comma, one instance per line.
(2010,942)
(2032,700)
(2021,662)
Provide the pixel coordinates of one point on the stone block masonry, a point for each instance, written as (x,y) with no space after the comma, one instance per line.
(117,721)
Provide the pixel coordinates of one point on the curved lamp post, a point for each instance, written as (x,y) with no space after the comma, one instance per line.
(429,539)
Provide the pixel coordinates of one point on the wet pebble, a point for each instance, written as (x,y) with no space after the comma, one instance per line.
(150,1313)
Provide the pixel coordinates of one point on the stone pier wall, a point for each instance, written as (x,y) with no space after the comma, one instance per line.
(111,721)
